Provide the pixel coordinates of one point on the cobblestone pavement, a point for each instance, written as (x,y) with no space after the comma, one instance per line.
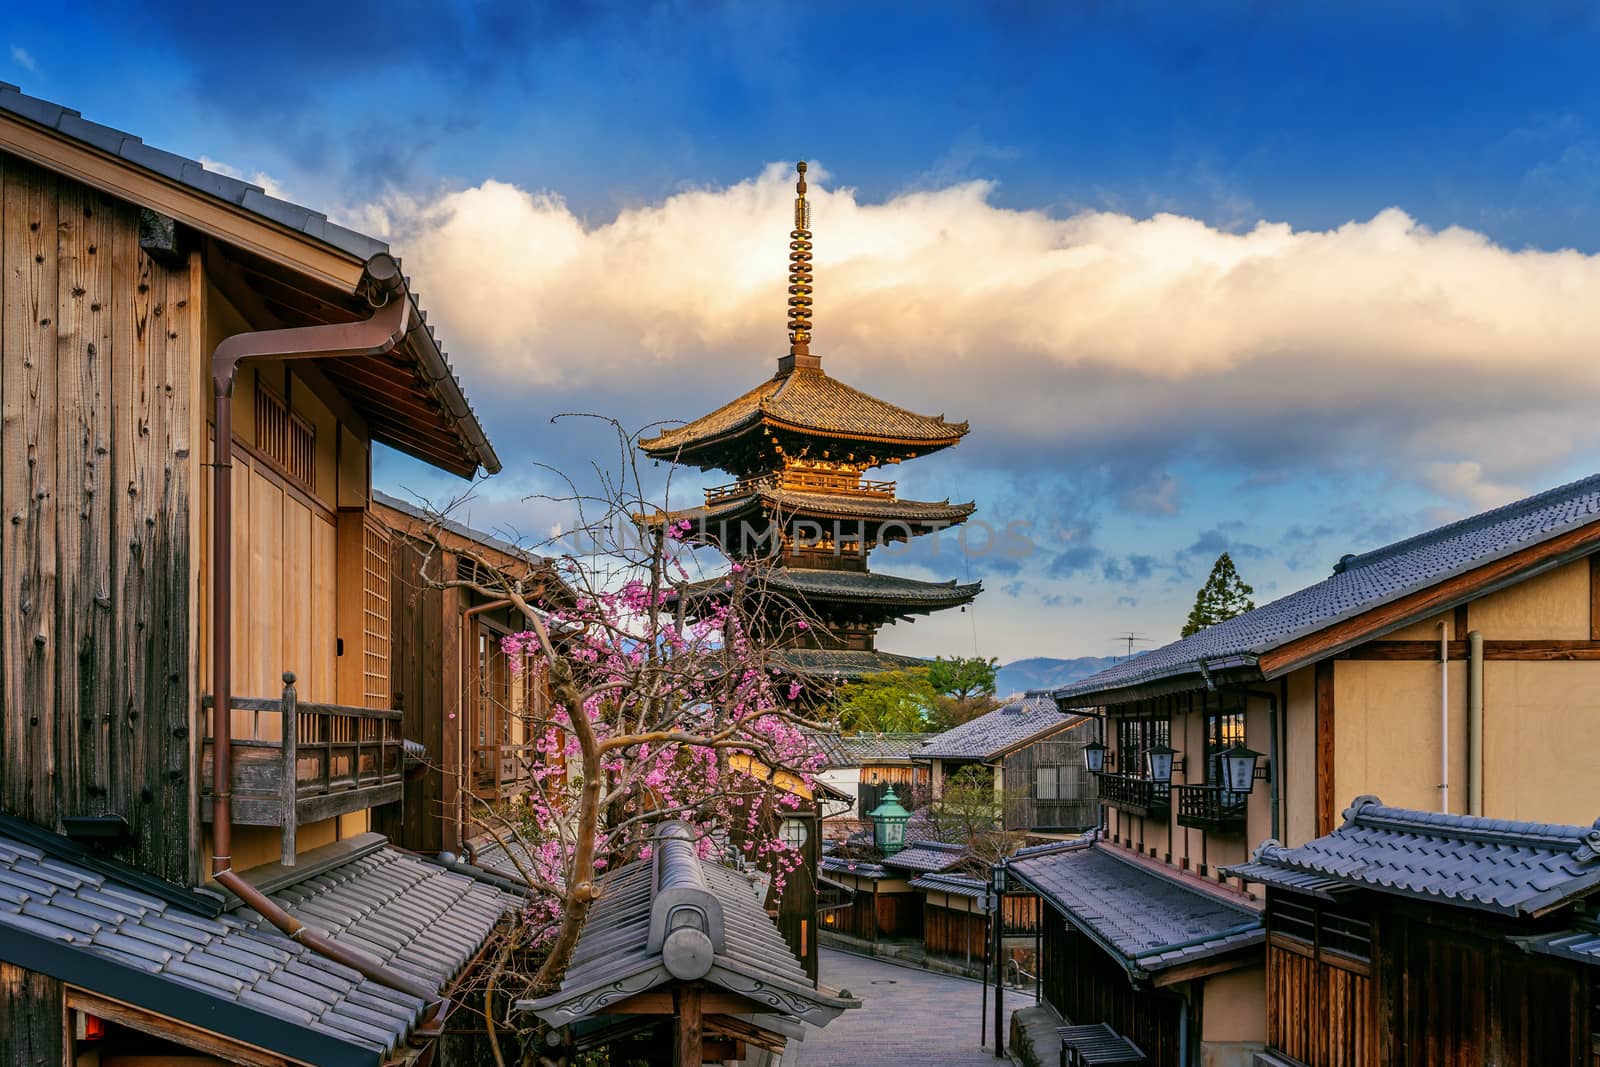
(908,1016)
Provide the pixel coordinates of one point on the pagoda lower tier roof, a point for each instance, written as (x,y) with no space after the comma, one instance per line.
(808,402)
(844,664)
(719,521)
(819,587)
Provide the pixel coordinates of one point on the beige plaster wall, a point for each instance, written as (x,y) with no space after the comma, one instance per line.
(1551,607)
(1387,733)
(1235,1006)
(1299,811)
(1541,730)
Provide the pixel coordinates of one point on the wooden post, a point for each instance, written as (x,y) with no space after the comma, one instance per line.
(289,792)
(687,1026)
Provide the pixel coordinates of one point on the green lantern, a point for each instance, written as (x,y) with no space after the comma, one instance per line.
(889,824)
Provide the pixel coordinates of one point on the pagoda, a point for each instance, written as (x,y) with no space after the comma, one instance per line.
(799,445)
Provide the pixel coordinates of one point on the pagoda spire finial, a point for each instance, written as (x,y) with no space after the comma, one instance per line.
(800,281)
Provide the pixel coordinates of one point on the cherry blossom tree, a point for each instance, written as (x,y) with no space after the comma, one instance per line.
(668,701)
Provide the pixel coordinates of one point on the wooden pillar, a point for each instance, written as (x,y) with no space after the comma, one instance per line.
(688,1031)
(1326,802)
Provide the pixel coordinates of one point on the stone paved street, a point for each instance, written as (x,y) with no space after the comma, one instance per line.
(908,1016)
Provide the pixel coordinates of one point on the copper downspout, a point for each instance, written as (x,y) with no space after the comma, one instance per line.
(376,336)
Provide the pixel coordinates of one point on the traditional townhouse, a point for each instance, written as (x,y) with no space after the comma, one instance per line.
(1449,672)
(195,631)
(865,766)
(1031,754)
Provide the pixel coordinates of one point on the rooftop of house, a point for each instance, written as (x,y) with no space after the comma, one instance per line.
(1498,865)
(676,917)
(867,749)
(956,885)
(1003,730)
(417,407)
(1359,583)
(183,955)
(927,857)
(1148,922)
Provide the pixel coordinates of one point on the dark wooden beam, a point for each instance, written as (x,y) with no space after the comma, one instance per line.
(1525,650)
(688,1030)
(1594,598)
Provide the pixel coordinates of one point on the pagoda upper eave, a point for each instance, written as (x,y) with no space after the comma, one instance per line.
(819,588)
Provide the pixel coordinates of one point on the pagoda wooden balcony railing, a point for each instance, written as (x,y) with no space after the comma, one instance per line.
(503,771)
(839,483)
(1135,796)
(296,762)
(1210,807)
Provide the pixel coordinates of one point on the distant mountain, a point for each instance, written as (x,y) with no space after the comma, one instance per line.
(1042,672)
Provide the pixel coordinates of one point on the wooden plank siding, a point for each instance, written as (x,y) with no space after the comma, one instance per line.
(1085,985)
(97,368)
(947,932)
(1075,805)
(33,1019)
(1318,1013)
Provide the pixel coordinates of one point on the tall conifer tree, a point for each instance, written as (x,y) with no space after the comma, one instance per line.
(1222,597)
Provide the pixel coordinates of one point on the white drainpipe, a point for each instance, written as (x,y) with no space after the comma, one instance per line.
(1444,717)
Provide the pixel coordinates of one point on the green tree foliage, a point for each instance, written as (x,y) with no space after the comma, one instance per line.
(970,811)
(891,702)
(963,689)
(1222,597)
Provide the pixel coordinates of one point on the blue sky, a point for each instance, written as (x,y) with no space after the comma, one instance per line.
(1203,276)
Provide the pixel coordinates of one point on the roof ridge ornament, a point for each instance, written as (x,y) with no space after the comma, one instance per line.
(800,357)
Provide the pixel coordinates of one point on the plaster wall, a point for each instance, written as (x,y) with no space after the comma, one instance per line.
(1541,729)
(1233,1024)
(1298,813)
(1387,734)
(1552,607)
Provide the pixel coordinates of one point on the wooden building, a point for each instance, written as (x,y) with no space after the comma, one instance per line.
(865,766)
(678,965)
(800,445)
(1408,937)
(137,288)
(1033,756)
(473,710)
(1448,671)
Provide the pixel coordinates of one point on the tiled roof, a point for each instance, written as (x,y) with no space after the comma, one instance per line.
(794,503)
(807,401)
(65,918)
(459,529)
(854,867)
(863,586)
(1359,584)
(190,172)
(999,731)
(1582,943)
(1513,868)
(956,885)
(927,856)
(625,948)
(1149,922)
(456,419)
(846,665)
(855,750)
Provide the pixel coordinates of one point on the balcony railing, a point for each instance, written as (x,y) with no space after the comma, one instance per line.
(1135,796)
(297,762)
(1209,807)
(839,483)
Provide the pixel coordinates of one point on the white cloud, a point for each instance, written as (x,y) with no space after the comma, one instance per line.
(24,59)
(1377,344)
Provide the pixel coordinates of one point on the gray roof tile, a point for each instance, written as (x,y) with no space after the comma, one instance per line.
(620,944)
(1359,584)
(1513,868)
(1149,921)
(428,920)
(998,732)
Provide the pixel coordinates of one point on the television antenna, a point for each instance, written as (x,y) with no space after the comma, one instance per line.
(1131,638)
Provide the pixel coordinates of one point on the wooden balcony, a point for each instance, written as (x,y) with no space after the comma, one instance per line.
(1135,796)
(1209,807)
(837,483)
(503,771)
(297,762)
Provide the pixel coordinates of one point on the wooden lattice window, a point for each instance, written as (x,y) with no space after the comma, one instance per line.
(375,616)
(1343,929)
(286,438)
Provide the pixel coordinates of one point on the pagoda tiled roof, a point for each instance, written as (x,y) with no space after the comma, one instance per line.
(809,401)
(828,505)
(845,664)
(855,586)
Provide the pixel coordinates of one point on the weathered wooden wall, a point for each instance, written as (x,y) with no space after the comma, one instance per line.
(32,1019)
(422,629)
(97,360)
(1086,985)
(946,932)
(1076,804)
